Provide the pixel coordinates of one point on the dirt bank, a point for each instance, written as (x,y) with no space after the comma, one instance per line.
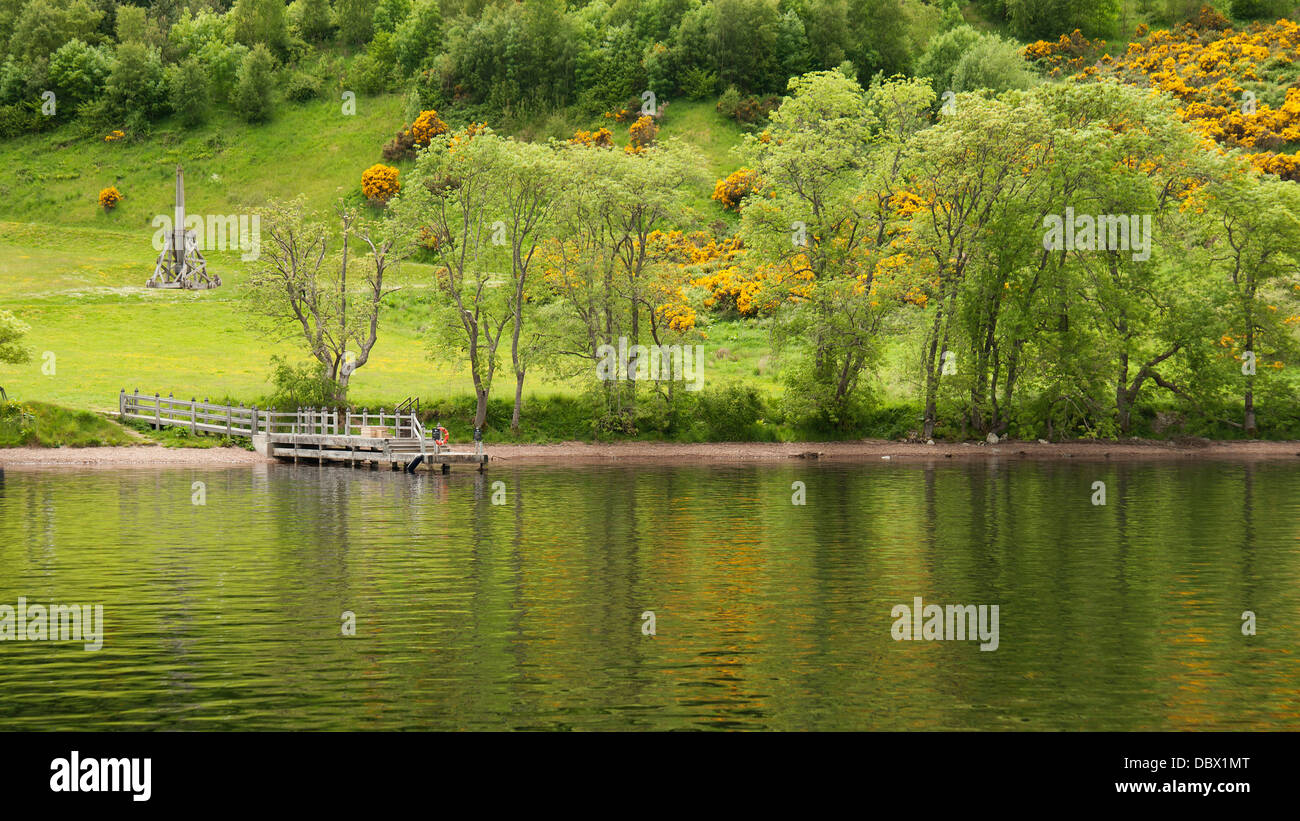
(126,457)
(879,450)
(581,452)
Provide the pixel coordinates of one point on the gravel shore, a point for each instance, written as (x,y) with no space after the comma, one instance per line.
(582,452)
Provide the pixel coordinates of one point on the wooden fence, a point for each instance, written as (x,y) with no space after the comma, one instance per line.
(204,417)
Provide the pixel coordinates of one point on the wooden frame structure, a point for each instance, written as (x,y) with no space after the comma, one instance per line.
(396,438)
(181,264)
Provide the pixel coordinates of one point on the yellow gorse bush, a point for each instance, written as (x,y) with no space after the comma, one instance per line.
(109,198)
(1213,71)
(379,183)
(427,126)
(735,187)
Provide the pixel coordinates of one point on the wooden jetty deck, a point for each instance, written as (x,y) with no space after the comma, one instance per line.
(358,438)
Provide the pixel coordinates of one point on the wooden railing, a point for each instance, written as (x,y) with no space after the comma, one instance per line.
(204,417)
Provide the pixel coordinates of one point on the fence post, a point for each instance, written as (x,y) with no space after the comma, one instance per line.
(135,405)
(121,404)
(157,411)
(255,420)
(194,418)
(347,421)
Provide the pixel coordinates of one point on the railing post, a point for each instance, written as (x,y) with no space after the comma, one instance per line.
(135,405)
(121,404)
(194,417)
(157,411)
(255,420)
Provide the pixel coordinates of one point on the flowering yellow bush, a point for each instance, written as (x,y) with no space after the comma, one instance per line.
(114,135)
(601,138)
(109,198)
(379,183)
(427,126)
(735,187)
(642,133)
(468,133)
(1223,79)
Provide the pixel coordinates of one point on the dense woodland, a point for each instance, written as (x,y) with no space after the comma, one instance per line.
(893,207)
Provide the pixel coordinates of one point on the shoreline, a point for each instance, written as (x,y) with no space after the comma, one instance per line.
(147,456)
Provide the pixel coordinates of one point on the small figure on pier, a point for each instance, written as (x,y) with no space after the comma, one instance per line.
(181,264)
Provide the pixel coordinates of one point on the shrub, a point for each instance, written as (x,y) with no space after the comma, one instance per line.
(698,83)
(643,133)
(109,198)
(415,40)
(21,118)
(748,109)
(252,99)
(302,87)
(601,138)
(78,72)
(427,126)
(401,147)
(379,183)
(137,88)
(299,386)
(735,187)
(731,413)
(190,91)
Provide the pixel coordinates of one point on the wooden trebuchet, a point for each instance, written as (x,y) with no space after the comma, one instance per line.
(181,264)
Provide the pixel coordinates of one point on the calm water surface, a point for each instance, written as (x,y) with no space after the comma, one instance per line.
(527,615)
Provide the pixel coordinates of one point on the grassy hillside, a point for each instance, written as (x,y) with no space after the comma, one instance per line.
(76,273)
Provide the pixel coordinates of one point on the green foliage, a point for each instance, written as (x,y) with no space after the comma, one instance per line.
(12,331)
(302,87)
(40,424)
(304,385)
(136,91)
(311,20)
(416,38)
(79,72)
(252,98)
(260,22)
(190,91)
(44,25)
(1047,19)
(389,14)
(354,20)
(1260,9)
(731,413)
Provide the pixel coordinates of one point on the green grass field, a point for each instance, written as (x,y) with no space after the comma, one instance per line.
(76,273)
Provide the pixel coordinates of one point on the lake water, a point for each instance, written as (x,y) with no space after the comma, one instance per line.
(767,615)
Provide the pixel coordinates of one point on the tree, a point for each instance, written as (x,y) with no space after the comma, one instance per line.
(300,285)
(137,86)
(12,331)
(79,73)
(190,91)
(416,38)
(312,19)
(252,97)
(354,20)
(530,184)
(602,266)
(450,199)
(261,22)
(828,162)
(1255,248)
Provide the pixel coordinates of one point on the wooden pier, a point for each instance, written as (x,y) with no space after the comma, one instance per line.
(396,438)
